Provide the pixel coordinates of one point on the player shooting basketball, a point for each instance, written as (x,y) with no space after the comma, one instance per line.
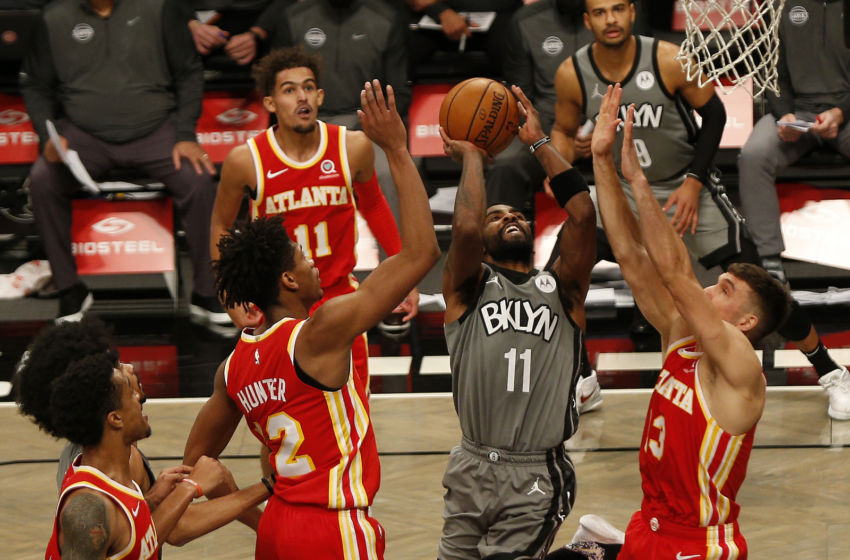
(514,338)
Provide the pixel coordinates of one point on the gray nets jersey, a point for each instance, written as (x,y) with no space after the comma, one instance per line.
(514,359)
(665,129)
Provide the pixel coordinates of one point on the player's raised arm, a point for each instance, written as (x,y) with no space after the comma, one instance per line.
(463,263)
(325,341)
(237,174)
(578,238)
(620,223)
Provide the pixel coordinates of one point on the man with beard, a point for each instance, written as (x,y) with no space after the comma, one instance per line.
(514,340)
(675,155)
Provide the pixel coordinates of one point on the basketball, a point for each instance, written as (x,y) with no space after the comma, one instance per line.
(482,111)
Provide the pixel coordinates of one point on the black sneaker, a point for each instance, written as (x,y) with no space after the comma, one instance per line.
(208,310)
(73,303)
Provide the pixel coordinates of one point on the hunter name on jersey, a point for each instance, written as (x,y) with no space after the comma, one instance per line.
(519,315)
(310,197)
(259,392)
(675,391)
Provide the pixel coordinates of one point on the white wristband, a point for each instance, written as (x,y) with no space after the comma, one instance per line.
(536,146)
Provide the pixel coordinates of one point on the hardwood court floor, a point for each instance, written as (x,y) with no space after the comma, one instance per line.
(794,501)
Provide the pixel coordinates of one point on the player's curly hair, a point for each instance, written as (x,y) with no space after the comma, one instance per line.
(48,356)
(81,398)
(266,69)
(252,259)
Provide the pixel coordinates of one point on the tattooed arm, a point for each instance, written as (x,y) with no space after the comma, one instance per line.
(89,527)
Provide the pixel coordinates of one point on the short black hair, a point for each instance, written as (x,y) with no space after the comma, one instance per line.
(47,358)
(266,69)
(772,300)
(584,2)
(81,398)
(252,259)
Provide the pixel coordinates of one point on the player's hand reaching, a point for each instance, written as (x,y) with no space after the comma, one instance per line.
(607,123)
(409,306)
(165,483)
(631,168)
(458,149)
(209,473)
(380,119)
(531,130)
(686,201)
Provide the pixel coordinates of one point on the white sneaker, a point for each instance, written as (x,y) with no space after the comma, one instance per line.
(588,393)
(593,528)
(837,385)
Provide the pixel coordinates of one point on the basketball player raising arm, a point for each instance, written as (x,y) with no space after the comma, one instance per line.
(671,145)
(306,364)
(711,387)
(307,170)
(514,340)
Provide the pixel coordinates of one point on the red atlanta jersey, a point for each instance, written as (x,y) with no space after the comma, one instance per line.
(316,198)
(143,539)
(322,443)
(690,468)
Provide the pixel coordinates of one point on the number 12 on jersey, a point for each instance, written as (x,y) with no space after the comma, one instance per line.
(525,358)
(321,248)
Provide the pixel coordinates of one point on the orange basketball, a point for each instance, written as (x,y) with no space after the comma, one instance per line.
(482,111)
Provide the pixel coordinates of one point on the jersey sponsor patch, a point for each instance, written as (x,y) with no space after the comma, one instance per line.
(545,283)
(645,80)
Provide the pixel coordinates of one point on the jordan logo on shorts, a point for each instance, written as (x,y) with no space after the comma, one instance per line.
(535,488)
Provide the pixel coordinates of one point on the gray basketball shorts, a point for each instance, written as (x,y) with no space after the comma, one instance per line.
(719,227)
(503,502)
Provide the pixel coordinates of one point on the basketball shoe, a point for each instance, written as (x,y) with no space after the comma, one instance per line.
(593,528)
(588,393)
(837,386)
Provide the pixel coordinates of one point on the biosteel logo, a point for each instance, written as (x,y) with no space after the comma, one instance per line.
(236,116)
(113,226)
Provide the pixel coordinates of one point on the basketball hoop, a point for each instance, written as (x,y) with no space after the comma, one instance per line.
(732,39)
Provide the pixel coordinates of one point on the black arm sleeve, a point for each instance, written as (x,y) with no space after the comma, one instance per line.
(713,116)
(518,64)
(187,73)
(39,83)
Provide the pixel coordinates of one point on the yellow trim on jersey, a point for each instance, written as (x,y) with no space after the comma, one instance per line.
(227,367)
(320,152)
(260,190)
(713,543)
(252,338)
(708,452)
(342,434)
(673,346)
(368,535)
(89,486)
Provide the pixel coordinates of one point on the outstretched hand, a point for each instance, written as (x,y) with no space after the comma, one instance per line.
(531,130)
(456,149)
(607,122)
(380,119)
(631,166)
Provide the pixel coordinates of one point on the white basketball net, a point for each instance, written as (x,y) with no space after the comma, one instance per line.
(732,39)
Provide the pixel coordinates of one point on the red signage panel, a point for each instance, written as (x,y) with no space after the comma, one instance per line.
(156,367)
(228,120)
(18,140)
(123,237)
(424,119)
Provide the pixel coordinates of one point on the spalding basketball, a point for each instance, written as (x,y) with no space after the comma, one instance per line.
(482,111)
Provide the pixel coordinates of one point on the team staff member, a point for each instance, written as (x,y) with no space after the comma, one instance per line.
(123,84)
